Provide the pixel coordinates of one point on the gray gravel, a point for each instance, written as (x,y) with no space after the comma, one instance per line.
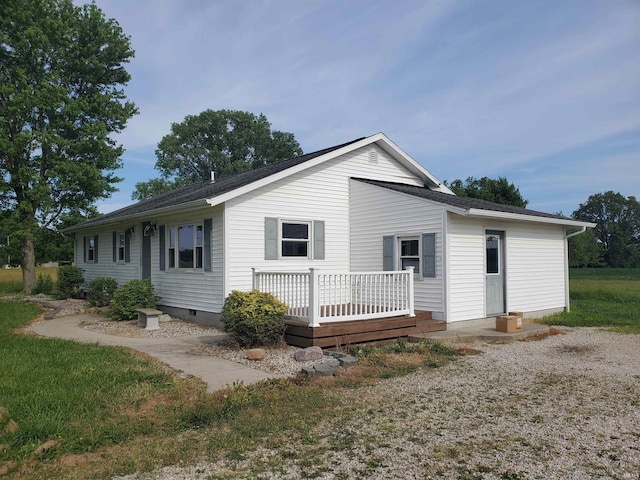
(567,407)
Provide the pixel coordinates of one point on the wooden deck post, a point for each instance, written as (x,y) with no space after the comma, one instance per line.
(314,304)
(254,282)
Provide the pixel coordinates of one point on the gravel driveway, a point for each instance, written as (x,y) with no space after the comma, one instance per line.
(567,407)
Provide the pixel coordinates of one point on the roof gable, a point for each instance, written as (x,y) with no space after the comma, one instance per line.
(232,186)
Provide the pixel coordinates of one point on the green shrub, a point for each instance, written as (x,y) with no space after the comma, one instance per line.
(101,291)
(254,318)
(44,285)
(133,294)
(70,279)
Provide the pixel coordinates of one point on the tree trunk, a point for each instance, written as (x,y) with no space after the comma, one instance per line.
(28,264)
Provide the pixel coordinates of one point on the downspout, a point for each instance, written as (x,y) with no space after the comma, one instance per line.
(566,265)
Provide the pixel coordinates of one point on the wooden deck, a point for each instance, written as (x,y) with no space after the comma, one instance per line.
(362,331)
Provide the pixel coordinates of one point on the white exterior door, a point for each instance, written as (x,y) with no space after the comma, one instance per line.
(494,272)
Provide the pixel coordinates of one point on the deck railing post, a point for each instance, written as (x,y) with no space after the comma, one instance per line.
(314,304)
(410,292)
(254,279)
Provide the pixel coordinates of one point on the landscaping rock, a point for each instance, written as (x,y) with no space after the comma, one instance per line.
(324,370)
(332,362)
(347,361)
(255,354)
(308,354)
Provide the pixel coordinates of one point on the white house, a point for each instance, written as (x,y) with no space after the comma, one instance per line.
(333,234)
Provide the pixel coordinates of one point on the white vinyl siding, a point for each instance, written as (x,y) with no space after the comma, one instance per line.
(377,212)
(191,288)
(533,262)
(535,267)
(320,193)
(466,269)
(105,267)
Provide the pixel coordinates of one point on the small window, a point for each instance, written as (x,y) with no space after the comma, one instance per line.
(199,243)
(295,239)
(172,248)
(91,249)
(410,254)
(121,247)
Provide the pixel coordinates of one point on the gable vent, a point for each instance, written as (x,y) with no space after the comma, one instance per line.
(373,157)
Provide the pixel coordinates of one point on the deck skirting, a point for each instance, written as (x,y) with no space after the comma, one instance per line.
(361,331)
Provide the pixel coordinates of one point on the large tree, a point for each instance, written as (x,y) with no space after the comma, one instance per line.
(61,99)
(618,226)
(498,190)
(223,142)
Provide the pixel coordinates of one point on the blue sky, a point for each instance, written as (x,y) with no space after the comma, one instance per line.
(545,93)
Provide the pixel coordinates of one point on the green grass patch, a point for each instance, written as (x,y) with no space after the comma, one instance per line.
(82,396)
(602,298)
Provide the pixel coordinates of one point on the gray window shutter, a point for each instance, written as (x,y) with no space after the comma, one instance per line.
(428,255)
(318,239)
(206,253)
(84,248)
(270,238)
(163,257)
(388,243)
(127,247)
(114,236)
(95,249)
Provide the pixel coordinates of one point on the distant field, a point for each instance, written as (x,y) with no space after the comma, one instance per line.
(604,274)
(11,278)
(602,297)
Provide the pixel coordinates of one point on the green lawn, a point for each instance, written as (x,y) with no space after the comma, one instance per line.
(83,396)
(602,298)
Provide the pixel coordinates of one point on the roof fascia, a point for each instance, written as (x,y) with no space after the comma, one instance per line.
(133,216)
(380,138)
(476,212)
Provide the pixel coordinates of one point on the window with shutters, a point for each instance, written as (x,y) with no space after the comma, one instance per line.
(91,249)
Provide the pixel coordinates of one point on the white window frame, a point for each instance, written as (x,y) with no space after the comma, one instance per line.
(173,249)
(410,238)
(308,240)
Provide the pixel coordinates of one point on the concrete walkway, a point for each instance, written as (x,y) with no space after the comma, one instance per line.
(215,371)
(482,333)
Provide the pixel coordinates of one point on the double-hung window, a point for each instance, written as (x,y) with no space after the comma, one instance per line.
(121,246)
(295,239)
(410,254)
(90,249)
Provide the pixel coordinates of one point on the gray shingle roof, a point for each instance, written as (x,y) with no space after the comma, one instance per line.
(205,190)
(457,201)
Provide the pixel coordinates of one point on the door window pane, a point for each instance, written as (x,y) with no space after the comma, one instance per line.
(493,254)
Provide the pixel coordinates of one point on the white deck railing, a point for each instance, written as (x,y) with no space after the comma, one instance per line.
(316,296)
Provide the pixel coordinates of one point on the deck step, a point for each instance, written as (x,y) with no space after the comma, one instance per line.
(363,331)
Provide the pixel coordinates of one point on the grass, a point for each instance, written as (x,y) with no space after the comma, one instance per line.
(113,412)
(11,278)
(602,298)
